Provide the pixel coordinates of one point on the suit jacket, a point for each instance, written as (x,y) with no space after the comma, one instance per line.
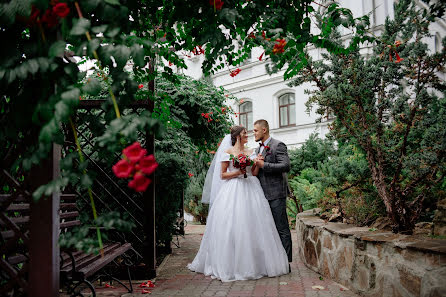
(273,175)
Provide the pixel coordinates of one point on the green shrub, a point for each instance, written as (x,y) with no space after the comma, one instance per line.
(192,198)
(312,152)
(171,179)
(340,181)
(306,189)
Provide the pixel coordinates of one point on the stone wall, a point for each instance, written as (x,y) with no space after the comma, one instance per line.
(373,263)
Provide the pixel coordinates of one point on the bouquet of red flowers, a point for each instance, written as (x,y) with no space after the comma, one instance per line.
(241,161)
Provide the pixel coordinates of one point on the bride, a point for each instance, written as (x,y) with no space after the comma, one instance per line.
(241,240)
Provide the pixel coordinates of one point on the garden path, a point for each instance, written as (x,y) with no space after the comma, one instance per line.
(174,279)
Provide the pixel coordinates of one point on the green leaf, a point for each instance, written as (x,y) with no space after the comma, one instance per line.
(47,132)
(62,111)
(43,64)
(138,55)
(71,95)
(93,45)
(99,29)
(112,2)
(21,71)
(92,87)
(121,53)
(86,181)
(80,26)
(90,5)
(57,49)
(50,188)
(113,32)
(33,66)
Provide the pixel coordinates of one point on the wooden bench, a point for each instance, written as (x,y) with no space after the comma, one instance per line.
(76,267)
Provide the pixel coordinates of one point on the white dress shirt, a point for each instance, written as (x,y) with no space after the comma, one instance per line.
(265,143)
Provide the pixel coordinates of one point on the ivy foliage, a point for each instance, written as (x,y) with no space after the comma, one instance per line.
(227,33)
(193,110)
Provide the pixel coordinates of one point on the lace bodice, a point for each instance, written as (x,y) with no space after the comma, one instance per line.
(231,168)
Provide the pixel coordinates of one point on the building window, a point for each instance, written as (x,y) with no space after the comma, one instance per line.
(246,115)
(287,110)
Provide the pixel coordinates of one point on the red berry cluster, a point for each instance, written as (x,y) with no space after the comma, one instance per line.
(207,116)
(235,72)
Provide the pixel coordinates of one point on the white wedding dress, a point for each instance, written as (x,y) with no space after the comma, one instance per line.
(241,241)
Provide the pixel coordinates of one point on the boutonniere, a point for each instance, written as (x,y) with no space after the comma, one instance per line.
(267,149)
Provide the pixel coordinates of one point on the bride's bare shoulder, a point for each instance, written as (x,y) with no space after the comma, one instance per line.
(230,150)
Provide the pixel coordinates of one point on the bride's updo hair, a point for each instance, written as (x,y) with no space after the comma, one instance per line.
(235,131)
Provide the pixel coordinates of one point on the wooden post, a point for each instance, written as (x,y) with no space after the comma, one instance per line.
(149,200)
(44,231)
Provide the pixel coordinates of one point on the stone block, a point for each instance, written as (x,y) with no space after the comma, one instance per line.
(325,268)
(410,281)
(363,279)
(396,292)
(310,254)
(327,243)
(432,259)
(315,234)
(348,257)
(433,283)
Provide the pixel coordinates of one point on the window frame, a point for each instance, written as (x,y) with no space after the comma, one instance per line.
(244,113)
(287,110)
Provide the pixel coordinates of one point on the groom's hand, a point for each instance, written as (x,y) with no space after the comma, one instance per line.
(260,161)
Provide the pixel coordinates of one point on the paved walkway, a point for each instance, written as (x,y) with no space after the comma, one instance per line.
(174,279)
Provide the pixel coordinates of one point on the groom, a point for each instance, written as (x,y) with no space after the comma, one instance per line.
(274,163)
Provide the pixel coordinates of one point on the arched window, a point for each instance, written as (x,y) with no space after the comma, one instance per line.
(287,110)
(246,115)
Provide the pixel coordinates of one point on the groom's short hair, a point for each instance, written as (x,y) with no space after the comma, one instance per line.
(263,123)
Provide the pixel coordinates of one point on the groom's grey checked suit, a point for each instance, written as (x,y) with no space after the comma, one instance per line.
(273,178)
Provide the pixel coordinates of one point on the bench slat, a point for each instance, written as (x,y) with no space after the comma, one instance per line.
(65,206)
(13,260)
(69,214)
(25,206)
(66,257)
(7,234)
(21,198)
(5,197)
(18,207)
(25,219)
(81,258)
(99,264)
(16,220)
(108,249)
(69,224)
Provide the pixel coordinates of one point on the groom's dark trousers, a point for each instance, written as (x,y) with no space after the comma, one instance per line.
(278,209)
(273,179)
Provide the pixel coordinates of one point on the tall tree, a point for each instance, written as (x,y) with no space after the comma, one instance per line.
(392,105)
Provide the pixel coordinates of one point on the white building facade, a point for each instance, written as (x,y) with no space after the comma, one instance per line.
(261,96)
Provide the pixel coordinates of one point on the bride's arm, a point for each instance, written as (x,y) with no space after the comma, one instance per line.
(228,175)
(254,169)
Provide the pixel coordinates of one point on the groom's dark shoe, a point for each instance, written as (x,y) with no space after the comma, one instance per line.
(289,268)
